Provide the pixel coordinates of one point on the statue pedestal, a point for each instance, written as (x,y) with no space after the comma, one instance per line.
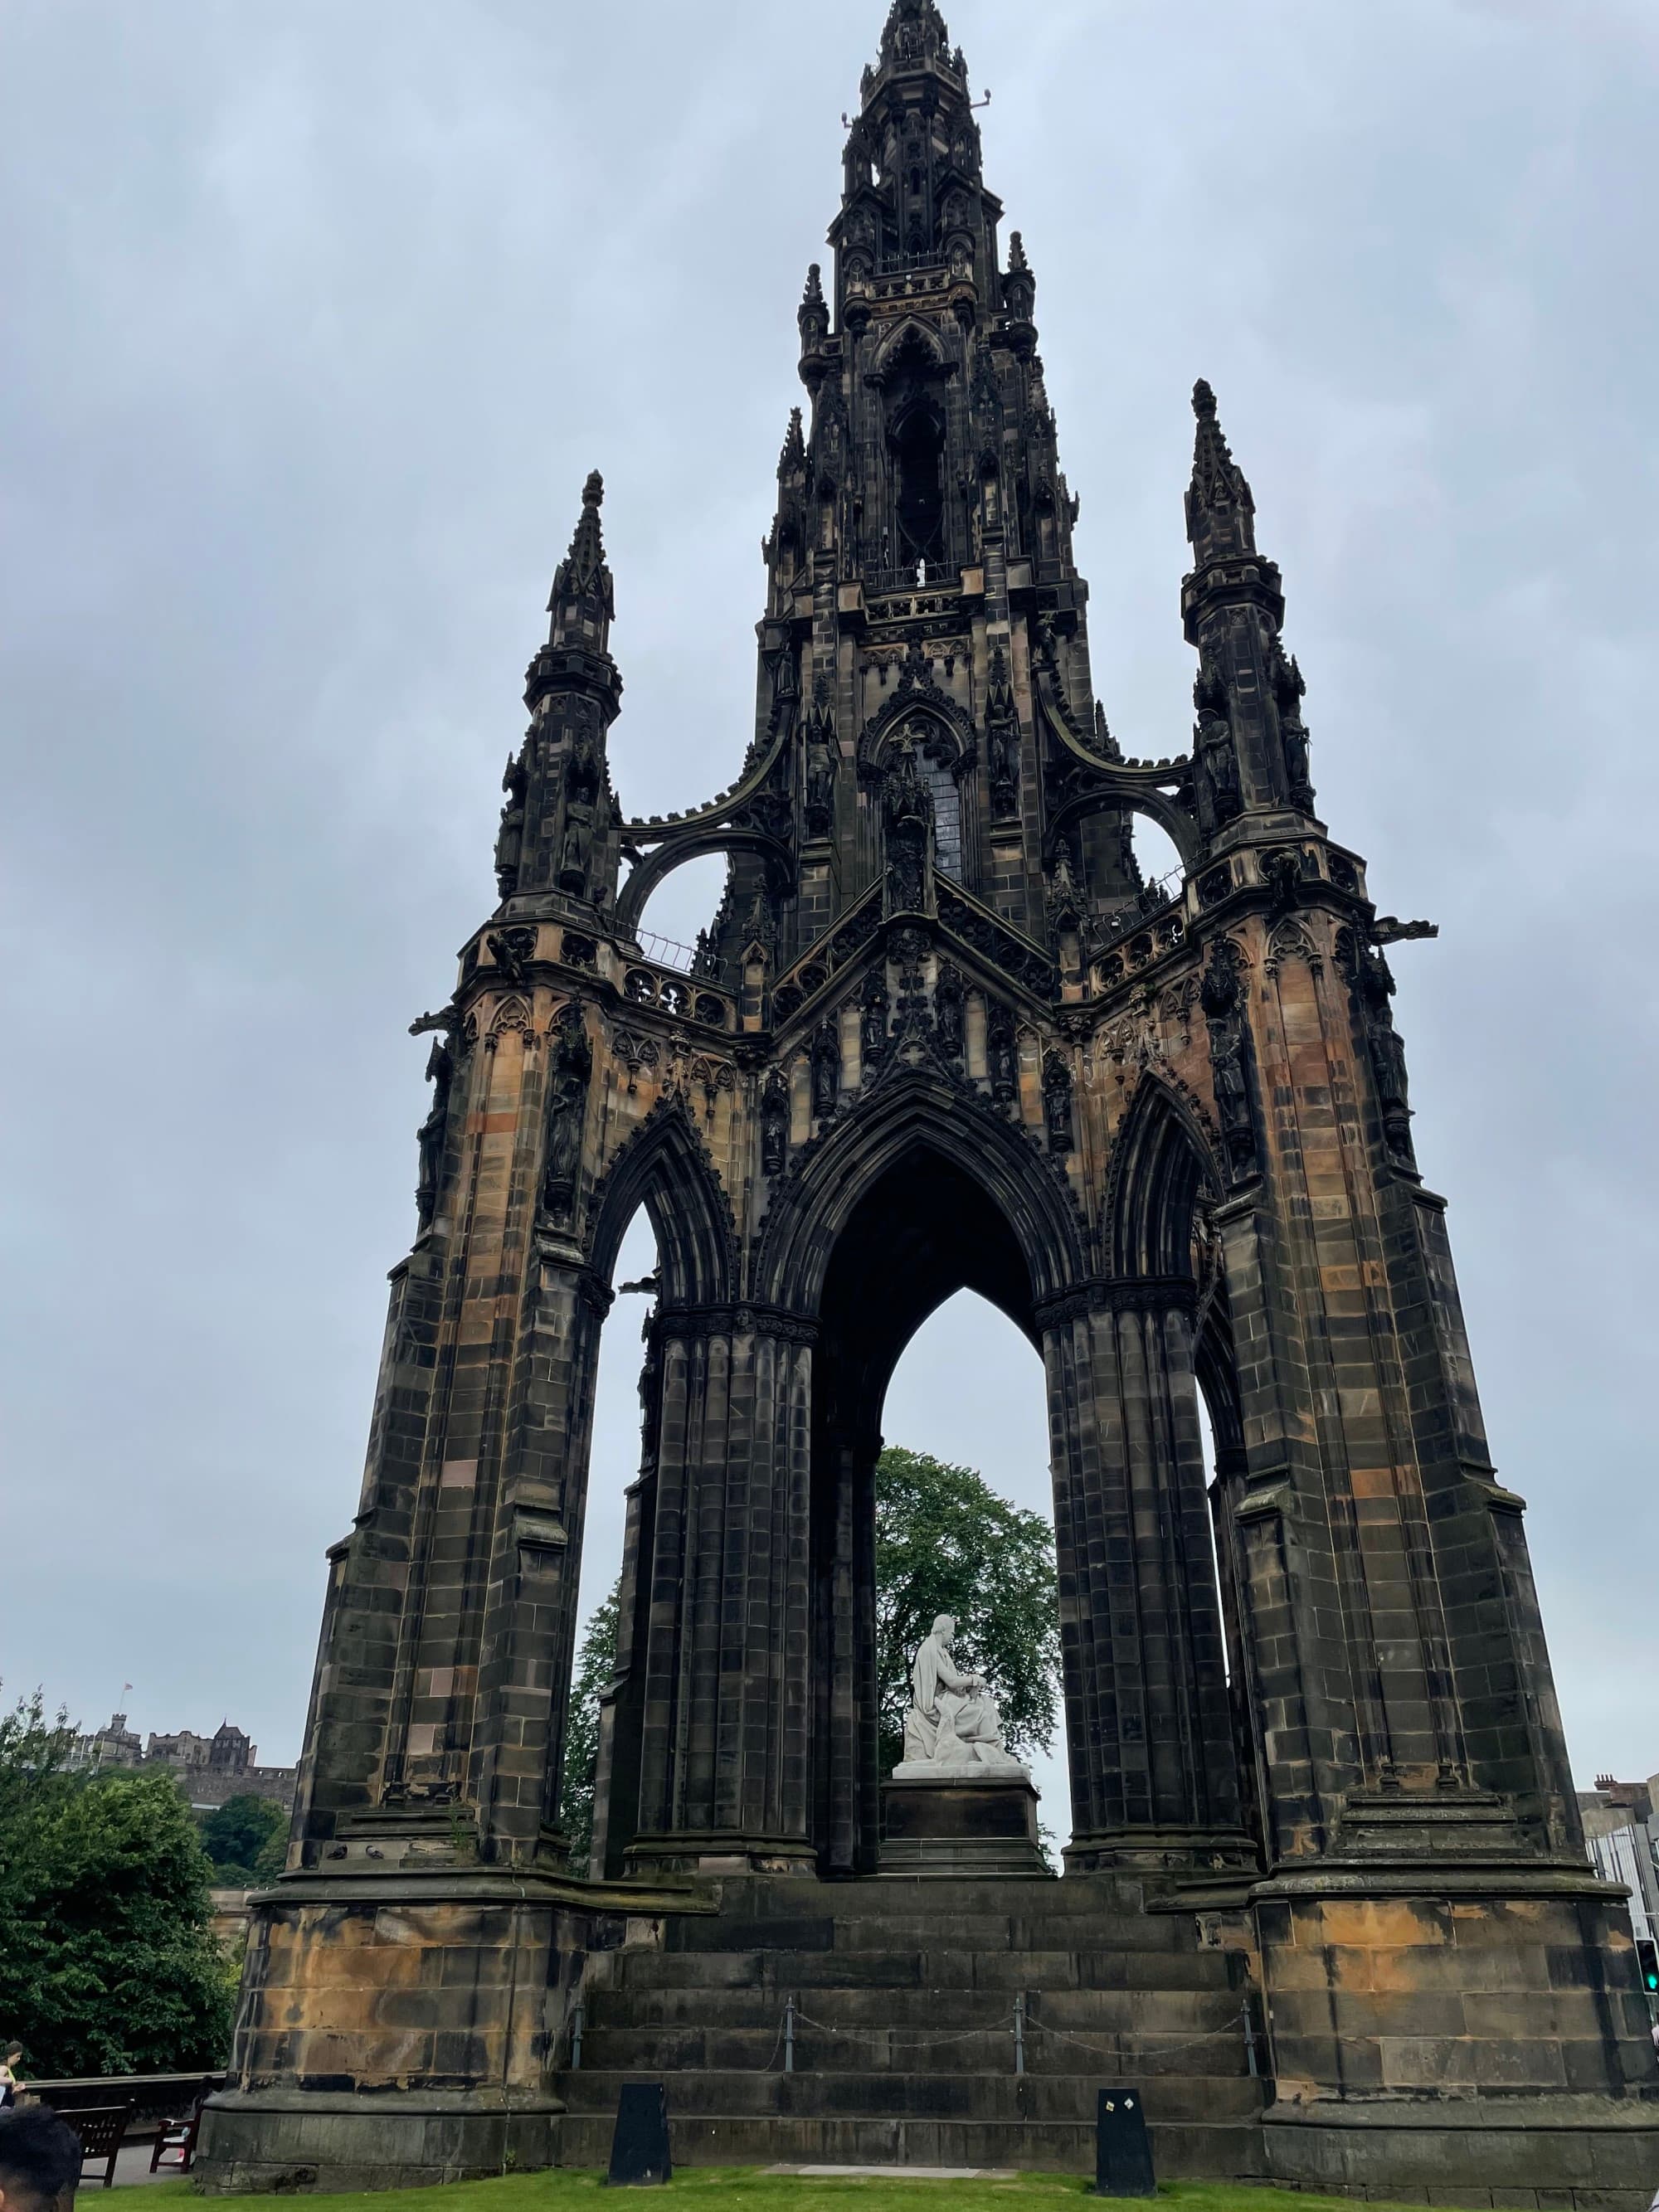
(961,1827)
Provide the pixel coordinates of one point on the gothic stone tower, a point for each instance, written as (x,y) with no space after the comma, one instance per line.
(939,1033)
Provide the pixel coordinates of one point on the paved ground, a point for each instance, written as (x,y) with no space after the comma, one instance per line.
(131,2166)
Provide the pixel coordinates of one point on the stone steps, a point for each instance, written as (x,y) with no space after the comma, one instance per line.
(1184,2150)
(873,1968)
(943,2084)
(969,2098)
(904,2053)
(1185,2011)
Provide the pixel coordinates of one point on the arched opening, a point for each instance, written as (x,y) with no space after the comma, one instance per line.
(970,1389)
(683,902)
(1157,860)
(922,1232)
(660,1209)
(1166,1189)
(598,1731)
(918,447)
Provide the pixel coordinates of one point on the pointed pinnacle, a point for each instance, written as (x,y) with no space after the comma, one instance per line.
(813,295)
(583,568)
(1016,252)
(1220,510)
(793,455)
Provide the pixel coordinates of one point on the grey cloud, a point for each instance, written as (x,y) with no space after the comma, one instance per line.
(319,317)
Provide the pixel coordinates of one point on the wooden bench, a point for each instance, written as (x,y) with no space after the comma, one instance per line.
(101,2130)
(176,2144)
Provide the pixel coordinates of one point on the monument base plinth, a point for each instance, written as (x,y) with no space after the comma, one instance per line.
(962,1828)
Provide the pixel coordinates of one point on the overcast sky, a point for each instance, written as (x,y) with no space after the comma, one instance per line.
(316,318)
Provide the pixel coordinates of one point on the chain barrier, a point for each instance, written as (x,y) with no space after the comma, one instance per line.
(1019,2023)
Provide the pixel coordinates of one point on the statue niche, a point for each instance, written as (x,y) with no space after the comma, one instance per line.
(959,1803)
(907,821)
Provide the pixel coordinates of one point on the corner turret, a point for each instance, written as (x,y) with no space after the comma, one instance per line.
(1249,742)
(558,845)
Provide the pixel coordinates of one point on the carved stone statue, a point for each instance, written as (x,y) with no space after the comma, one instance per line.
(953,1729)
(820,788)
(1215,771)
(574,852)
(774,1125)
(510,841)
(440,1072)
(568,1077)
(908,815)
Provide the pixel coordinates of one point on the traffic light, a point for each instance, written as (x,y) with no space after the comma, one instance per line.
(1647,1961)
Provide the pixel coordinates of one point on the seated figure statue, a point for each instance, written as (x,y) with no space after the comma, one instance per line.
(953,1730)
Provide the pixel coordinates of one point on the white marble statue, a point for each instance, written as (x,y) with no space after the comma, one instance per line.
(953,1731)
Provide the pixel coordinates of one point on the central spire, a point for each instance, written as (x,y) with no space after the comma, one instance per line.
(915,37)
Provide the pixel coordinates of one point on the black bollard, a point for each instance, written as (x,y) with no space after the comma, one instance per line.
(638,2148)
(1123,2153)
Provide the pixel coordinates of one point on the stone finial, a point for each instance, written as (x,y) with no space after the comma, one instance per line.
(1220,510)
(581,584)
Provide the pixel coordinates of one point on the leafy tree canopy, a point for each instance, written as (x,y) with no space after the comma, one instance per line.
(946,1543)
(596,1663)
(246,1839)
(107,1963)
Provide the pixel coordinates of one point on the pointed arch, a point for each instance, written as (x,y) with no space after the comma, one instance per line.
(916,1112)
(910,340)
(665,1166)
(1161,1160)
(693,844)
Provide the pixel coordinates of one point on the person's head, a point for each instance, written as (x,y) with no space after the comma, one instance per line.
(40,2159)
(14,2054)
(944,1627)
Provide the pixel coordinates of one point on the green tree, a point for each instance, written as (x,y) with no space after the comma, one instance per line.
(596,1664)
(107,1962)
(245,1838)
(946,1543)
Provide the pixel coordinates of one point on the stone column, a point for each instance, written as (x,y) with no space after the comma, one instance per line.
(1154,1778)
(847,1779)
(1429,1930)
(724,1765)
(527,1636)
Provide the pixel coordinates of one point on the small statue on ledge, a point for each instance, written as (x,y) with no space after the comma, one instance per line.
(953,1731)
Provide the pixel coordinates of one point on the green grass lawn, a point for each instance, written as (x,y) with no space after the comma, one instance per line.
(717,2189)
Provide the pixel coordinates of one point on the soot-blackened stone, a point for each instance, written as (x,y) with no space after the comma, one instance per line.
(638,2148)
(1123,2155)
